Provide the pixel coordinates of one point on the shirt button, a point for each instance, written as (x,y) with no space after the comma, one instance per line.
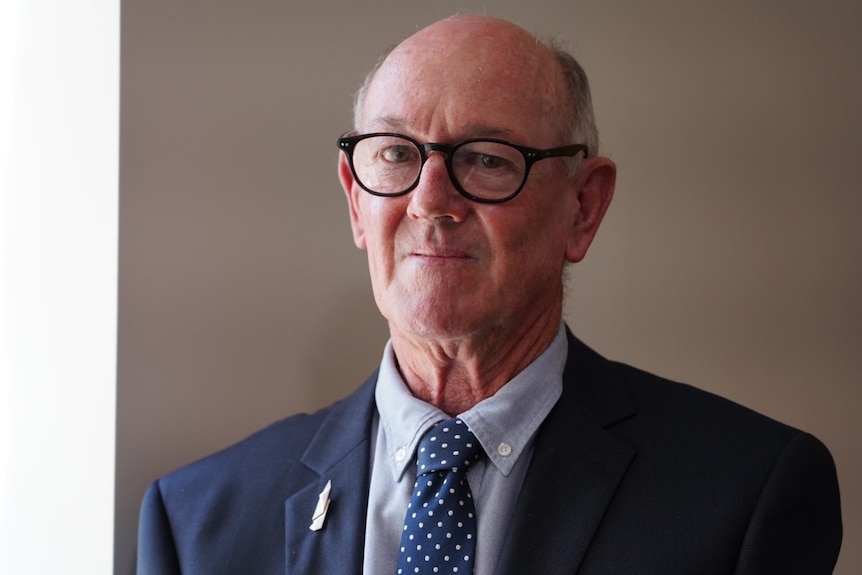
(400,454)
(504,449)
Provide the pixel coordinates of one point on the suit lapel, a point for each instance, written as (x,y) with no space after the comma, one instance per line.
(574,472)
(575,469)
(340,453)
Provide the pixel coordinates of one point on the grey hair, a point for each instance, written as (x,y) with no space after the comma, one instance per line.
(578,127)
(582,121)
(359,97)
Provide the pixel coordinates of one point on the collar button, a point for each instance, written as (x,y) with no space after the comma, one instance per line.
(400,454)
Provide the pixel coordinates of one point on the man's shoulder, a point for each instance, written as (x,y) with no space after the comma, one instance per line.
(238,470)
(693,466)
(273,451)
(615,391)
(661,399)
(282,441)
(667,422)
(678,421)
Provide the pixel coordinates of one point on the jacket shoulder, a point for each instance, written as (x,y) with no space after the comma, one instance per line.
(225,513)
(763,494)
(614,393)
(275,450)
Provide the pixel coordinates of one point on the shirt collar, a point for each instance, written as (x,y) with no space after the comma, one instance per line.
(504,423)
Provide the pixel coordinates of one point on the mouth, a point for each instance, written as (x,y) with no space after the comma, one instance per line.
(433,247)
(441,254)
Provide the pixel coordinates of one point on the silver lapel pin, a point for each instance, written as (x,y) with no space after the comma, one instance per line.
(322,506)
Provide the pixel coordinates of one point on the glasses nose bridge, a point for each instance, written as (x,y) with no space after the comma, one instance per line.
(444,149)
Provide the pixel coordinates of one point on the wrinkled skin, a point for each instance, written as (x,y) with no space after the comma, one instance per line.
(473,292)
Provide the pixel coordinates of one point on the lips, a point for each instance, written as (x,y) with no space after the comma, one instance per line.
(442,252)
(434,246)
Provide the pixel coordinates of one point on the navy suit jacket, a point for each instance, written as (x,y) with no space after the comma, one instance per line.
(630,474)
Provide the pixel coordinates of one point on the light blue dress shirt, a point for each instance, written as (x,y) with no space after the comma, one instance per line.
(505,424)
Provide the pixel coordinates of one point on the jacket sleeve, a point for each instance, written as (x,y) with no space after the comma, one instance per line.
(796,524)
(157,553)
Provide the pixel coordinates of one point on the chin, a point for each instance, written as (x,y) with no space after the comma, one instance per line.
(443,315)
(441,325)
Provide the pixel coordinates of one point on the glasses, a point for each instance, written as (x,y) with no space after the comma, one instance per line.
(483,170)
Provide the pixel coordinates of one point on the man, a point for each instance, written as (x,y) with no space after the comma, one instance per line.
(473,179)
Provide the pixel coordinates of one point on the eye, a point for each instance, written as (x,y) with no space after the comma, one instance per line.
(488,157)
(398,153)
(480,160)
(475,160)
(491,161)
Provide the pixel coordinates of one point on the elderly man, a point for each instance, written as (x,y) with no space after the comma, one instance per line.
(491,441)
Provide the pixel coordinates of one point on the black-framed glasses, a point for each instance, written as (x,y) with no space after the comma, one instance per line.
(484,170)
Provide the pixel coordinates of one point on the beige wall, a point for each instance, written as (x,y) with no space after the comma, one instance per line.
(731,258)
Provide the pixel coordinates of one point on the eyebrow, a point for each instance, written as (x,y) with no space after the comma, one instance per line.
(470,131)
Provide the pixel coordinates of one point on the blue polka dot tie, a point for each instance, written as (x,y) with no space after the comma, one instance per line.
(439,534)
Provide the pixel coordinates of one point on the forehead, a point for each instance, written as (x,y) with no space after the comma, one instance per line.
(469,81)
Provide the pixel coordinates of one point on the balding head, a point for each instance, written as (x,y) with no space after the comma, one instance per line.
(504,56)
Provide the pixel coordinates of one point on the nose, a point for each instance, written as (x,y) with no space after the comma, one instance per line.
(435,197)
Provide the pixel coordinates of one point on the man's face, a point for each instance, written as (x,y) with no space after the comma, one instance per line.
(442,266)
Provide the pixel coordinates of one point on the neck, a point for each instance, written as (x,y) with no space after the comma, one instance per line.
(454,374)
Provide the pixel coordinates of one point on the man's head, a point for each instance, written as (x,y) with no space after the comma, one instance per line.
(444,266)
(578,125)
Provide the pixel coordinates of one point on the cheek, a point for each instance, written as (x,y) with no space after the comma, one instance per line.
(381,218)
(533,246)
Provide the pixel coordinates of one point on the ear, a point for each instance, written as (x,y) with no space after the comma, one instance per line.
(353,192)
(594,185)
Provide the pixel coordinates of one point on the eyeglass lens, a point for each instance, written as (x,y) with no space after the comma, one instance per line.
(390,165)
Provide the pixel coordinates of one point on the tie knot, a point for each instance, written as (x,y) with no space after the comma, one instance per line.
(449,445)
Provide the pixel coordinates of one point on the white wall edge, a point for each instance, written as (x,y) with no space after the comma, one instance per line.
(59,149)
